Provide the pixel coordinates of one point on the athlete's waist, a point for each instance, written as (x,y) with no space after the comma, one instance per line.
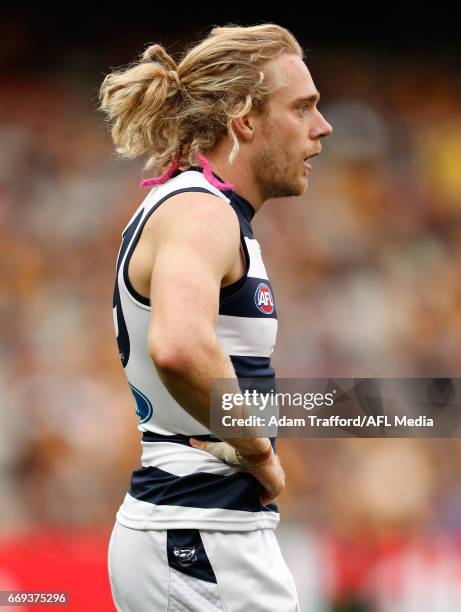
(174,473)
(183,439)
(236,491)
(138,514)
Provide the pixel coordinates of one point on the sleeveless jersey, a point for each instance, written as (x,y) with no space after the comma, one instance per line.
(178,486)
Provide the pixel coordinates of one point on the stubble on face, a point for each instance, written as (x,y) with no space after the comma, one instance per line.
(276,171)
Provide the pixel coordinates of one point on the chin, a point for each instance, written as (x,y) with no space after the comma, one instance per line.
(300,187)
(285,189)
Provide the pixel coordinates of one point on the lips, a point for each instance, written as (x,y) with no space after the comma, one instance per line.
(306,164)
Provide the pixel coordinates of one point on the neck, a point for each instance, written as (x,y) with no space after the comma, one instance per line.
(239,174)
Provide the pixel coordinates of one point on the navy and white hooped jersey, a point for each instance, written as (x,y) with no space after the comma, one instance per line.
(178,486)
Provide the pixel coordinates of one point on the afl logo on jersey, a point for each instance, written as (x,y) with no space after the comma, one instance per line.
(263,299)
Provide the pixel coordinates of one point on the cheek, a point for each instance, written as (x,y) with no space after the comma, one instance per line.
(283,137)
(293,135)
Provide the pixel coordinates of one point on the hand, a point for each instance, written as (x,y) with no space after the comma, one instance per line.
(223,451)
(270,474)
(271,477)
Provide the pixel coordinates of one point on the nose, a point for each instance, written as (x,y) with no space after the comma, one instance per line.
(322,128)
(328,127)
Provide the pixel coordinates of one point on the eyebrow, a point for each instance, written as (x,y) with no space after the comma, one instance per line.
(314,98)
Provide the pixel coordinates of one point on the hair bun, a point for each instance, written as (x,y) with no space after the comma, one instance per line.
(175,76)
(156,53)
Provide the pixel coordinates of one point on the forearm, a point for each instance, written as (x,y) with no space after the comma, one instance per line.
(188,380)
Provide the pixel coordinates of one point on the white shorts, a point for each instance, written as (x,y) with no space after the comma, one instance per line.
(191,570)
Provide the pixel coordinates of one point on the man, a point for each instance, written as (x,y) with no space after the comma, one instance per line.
(233,125)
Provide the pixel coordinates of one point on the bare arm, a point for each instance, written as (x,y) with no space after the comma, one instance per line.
(196,240)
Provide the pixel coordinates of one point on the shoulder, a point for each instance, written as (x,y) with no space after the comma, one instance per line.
(194,212)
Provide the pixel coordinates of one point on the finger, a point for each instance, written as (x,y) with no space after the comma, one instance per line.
(213,448)
(198,443)
(265,500)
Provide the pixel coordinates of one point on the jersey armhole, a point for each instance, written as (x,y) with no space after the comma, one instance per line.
(229,292)
(129,287)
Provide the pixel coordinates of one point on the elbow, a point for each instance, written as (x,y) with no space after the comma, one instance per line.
(168,359)
(169,355)
(181,354)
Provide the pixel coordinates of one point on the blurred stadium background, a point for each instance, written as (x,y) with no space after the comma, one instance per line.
(365,269)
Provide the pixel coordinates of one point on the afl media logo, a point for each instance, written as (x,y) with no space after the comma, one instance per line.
(263,299)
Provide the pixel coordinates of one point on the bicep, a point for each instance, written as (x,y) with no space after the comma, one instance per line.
(197,248)
(184,288)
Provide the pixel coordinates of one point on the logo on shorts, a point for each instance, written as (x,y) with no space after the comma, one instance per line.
(185,556)
(263,299)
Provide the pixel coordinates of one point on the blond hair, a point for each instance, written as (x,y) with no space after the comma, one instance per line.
(176,112)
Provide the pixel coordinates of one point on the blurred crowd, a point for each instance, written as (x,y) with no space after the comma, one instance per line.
(365,268)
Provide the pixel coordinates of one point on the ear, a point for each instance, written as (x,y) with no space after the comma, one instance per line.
(245,127)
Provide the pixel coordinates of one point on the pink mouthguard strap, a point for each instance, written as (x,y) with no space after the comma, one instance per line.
(207,172)
(161,179)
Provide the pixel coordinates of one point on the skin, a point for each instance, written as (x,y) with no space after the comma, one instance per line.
(273,144)
(191,247)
